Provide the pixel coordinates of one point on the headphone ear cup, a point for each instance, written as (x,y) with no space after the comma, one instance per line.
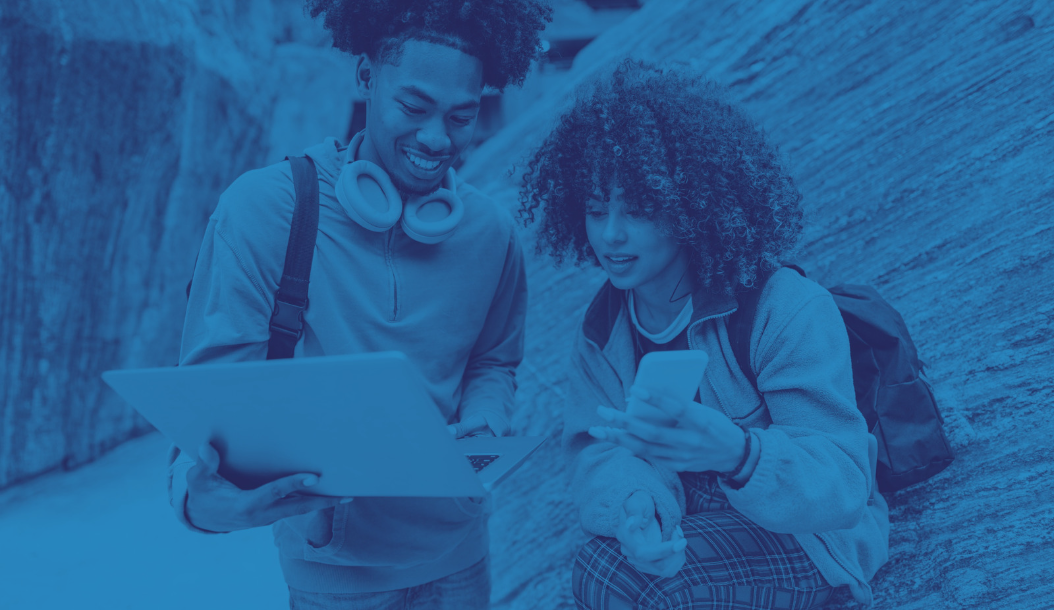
(368,196)
(433,218)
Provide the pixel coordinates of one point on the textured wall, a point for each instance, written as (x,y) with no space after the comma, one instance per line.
(922,135)
(120,124)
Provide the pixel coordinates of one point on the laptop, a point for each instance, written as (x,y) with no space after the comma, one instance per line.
(364,423)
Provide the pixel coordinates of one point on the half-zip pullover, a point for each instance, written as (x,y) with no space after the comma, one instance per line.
(455,308)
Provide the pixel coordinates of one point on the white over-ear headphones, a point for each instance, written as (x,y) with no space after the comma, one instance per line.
(368,196)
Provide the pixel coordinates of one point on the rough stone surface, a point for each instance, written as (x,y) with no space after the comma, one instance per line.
(120,124)
(922,136)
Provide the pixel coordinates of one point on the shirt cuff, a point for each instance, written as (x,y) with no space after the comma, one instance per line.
(743,477)
(177,490)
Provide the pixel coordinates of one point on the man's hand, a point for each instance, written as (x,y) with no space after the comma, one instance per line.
(217,505)
(641,538)
(704,439)
(483,423)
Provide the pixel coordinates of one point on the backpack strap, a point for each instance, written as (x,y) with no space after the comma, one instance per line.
(290,301)
(741,323)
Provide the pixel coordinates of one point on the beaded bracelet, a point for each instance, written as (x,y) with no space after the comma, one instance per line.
(742,462)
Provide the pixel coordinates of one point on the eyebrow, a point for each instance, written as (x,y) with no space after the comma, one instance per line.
(418,93)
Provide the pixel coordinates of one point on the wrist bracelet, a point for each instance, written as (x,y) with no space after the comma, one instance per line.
(746,457)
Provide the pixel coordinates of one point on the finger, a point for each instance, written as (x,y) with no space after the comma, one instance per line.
(602,433)
(646,431)
(702,418)
(643,429)
(280,488)
(632,541)
(629,532)
(673,565)
(301,505)
(209,458)
(639,503)
(497,425)
(469,425)
(627,440)
(676,409)
(610,415)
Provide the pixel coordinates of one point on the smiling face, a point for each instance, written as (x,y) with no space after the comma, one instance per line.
(421,112)
(632,249)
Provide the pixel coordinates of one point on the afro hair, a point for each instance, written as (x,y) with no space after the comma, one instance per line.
(687,157)
(503,34)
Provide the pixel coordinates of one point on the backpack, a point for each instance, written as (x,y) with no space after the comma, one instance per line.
(891,389)
(290,300)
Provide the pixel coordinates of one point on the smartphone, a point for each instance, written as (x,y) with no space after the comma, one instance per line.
(676,373)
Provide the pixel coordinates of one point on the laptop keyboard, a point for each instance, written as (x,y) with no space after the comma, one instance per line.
(481,461)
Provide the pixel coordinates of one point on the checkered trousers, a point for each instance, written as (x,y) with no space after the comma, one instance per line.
(731,564)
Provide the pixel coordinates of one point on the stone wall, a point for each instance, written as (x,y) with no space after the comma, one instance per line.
(120,124)
(922,135)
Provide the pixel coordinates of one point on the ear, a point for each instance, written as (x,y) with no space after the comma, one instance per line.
(364,76)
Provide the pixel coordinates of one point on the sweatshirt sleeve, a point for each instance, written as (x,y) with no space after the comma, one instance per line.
(814,472)
(603,474)
(490,376)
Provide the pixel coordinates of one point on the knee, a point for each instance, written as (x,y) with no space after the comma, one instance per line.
(598,566)
(582,572)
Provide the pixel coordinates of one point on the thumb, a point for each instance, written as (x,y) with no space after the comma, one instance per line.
(210,458)
(498,424)
(459,429)
(473,423)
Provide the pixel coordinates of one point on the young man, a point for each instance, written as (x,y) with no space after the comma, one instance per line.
(455,304)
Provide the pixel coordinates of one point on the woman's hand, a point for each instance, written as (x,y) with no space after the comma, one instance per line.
(704,439)
(641,538)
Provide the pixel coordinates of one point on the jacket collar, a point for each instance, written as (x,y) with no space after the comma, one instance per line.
(603,312)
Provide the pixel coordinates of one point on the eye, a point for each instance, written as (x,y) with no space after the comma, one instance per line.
(411,110)
(594,213)
(637,214)
(462,120)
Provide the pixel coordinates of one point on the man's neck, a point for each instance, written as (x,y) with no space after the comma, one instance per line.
(367,152)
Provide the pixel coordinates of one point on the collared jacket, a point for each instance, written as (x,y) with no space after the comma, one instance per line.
(455,308)
(815,477)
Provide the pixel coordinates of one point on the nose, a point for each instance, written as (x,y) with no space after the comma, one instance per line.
(433,136)
(614,229)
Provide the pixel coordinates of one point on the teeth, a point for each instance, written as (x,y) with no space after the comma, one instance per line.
(620,259)
(422,163)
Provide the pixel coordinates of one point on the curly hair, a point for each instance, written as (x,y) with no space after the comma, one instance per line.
(503,34)
(687,157)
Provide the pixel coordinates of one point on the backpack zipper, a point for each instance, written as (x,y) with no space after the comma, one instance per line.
(389,259)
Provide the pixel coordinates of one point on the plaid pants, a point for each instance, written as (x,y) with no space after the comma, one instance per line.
(731,564)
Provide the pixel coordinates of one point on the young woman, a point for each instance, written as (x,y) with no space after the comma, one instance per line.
(747,497)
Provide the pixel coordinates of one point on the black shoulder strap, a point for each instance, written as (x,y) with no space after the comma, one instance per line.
(290,301)
(741,323)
